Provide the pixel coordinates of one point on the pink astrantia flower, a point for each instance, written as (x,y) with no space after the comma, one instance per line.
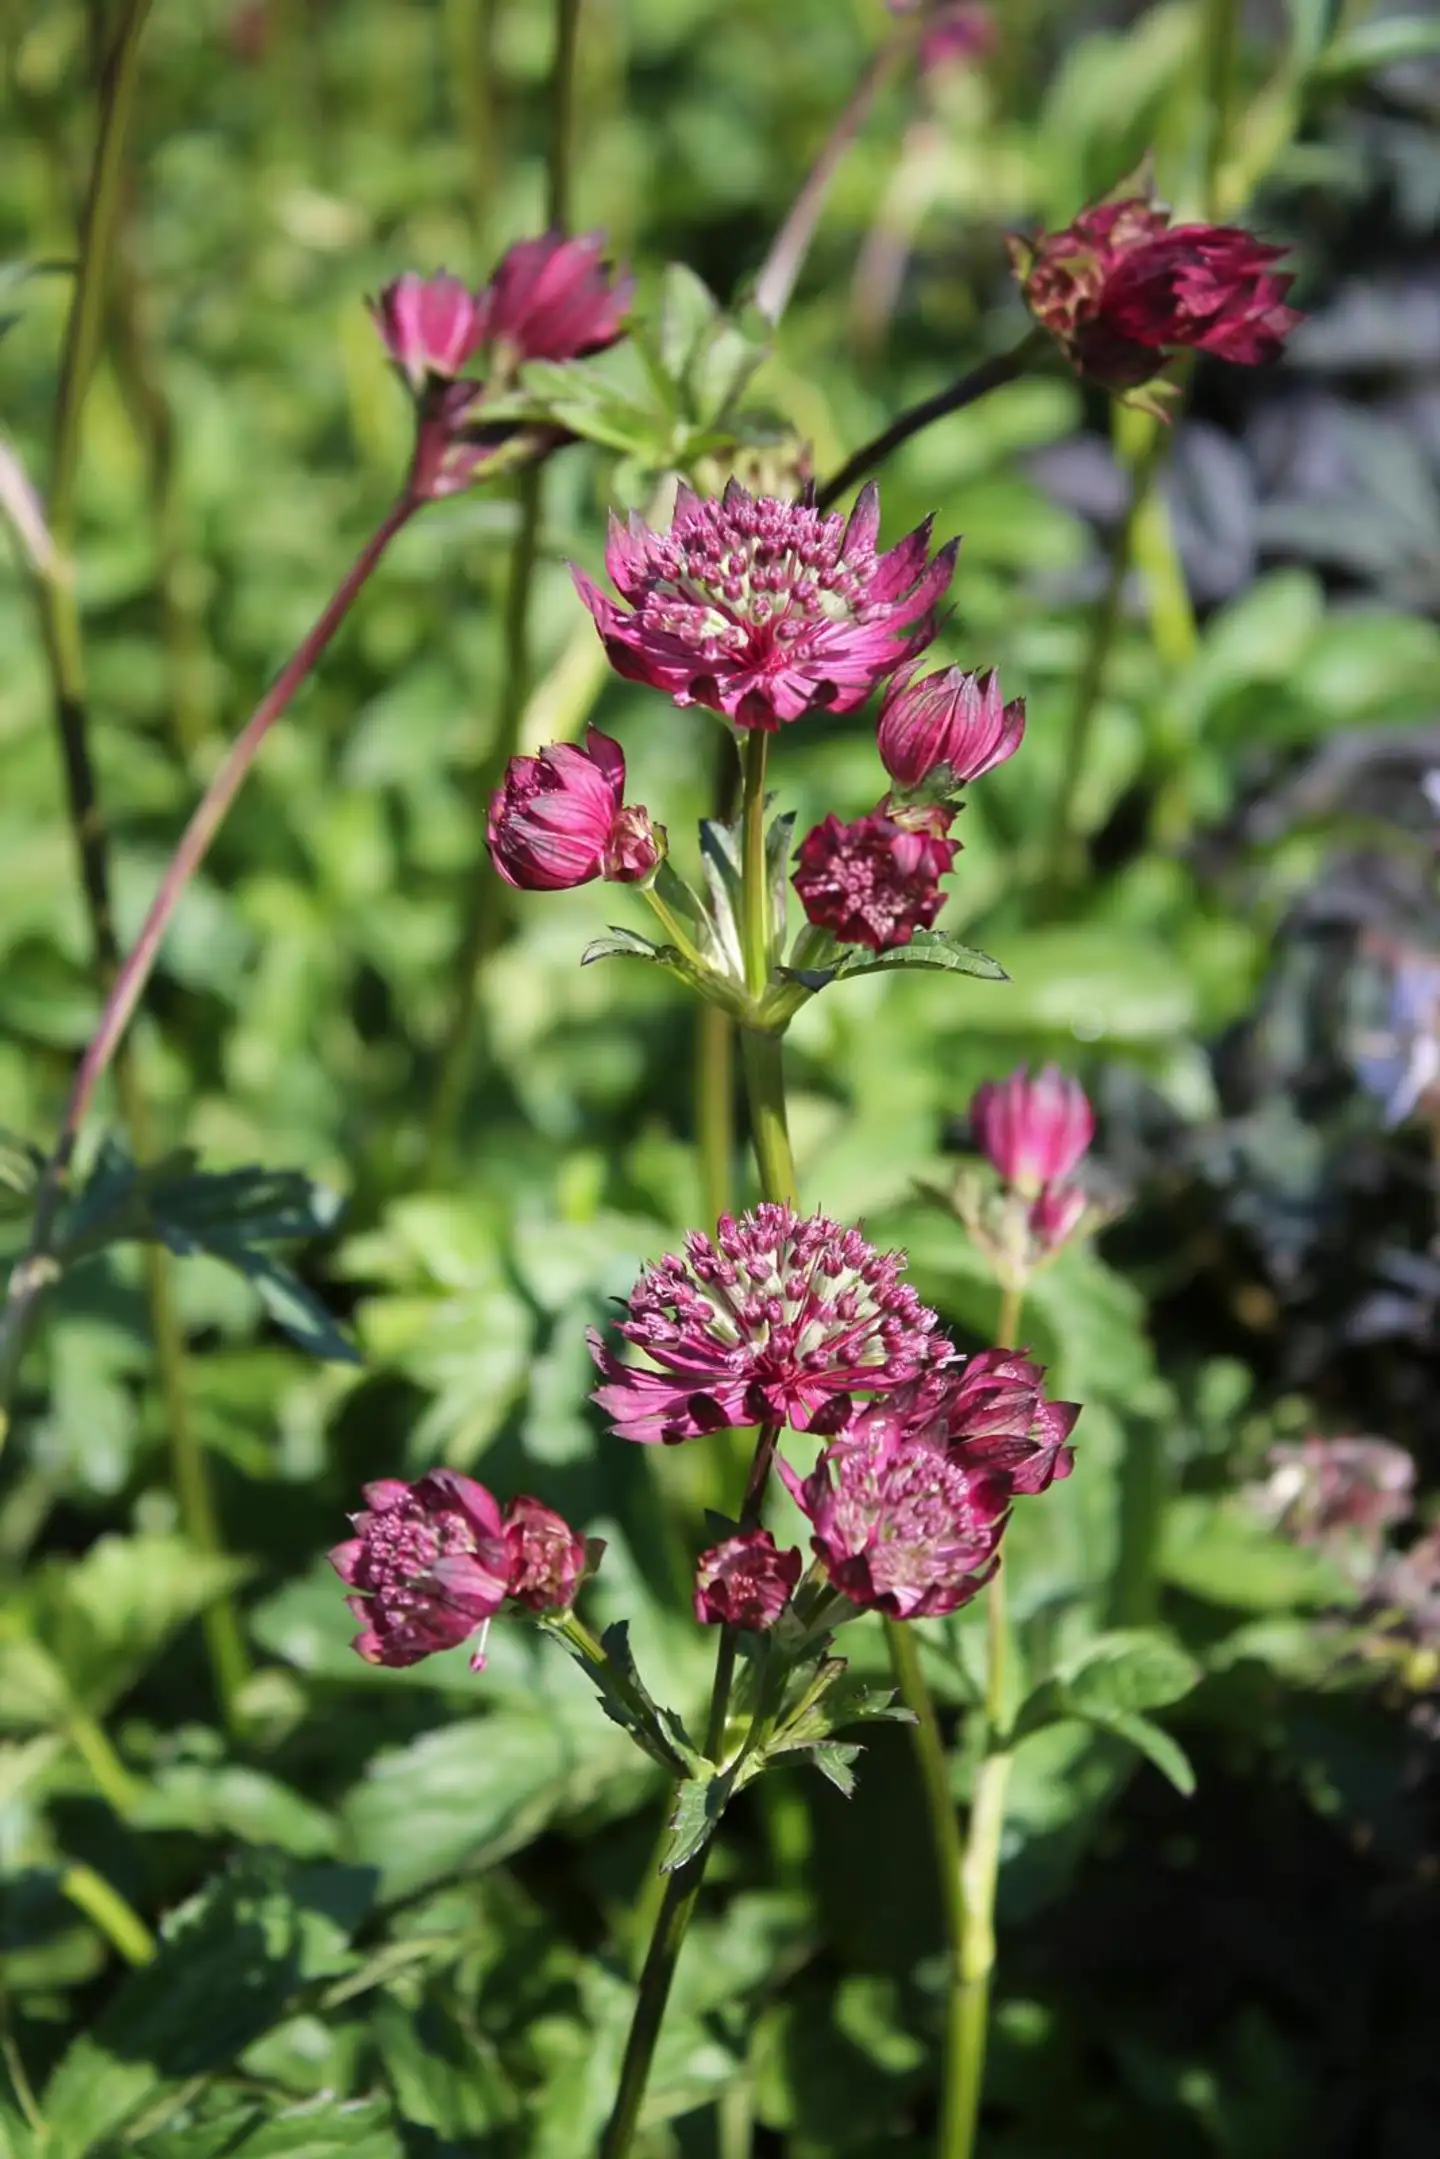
(559,820)
(1033,1130)
(553,299)
(944,730)
(431,326)
(776,1320)
(765,610)
(1121,290)
(547,1557)
(428,1563)
(1321,1491)
(899,1523)
(1056,1215)
(996,1412)
(875,881)
(958,36)
(745,1582)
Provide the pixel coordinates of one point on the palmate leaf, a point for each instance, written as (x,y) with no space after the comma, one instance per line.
(230,1215)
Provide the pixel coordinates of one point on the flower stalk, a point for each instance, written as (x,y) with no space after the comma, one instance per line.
(991,374)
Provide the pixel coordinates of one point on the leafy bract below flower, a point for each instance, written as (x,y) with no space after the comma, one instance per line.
(774,1321)
(560,820)
(908,1501)
(746,1581)
(431,1563)
(765,610)
(1121,289)
(875,881)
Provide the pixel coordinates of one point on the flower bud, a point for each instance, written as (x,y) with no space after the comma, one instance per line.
(553,299)
(559,820)
(745,1582)
(1033,1130)
(548,1560)
(431,326)
(946,729)
(876,881)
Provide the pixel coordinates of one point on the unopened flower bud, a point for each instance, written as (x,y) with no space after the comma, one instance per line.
(431,326)
(946,729)
(560,820)
(548,1560)
(553,299)
(1033,1130)
(745,1582)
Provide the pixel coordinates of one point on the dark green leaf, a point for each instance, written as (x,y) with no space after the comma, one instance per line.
(927,948)
(699,1803)
(835,1759)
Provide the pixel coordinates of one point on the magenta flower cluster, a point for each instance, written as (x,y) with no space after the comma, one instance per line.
(560,819)
(1035,1132)
(430,1564)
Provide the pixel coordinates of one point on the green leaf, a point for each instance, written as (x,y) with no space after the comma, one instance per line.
(227,1799)
(320,2129)
(1148,1739)
(230,1961)
(107,1616)
(835,1759)
(1374,45)
(1130,1668)
(927,948)
(1216,1550)
(699,1803)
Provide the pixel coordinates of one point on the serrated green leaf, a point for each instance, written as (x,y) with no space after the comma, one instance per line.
(699,1803)
(927,948)
(1148,1739)
(835,1759)
(320,2129)
(1131,1668)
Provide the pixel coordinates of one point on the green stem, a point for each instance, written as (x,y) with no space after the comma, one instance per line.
(112,1778)
(715,1109)
(755,921)
(682,1888)
(762,1060)
(1135,1590)
(1222,50)
(469,30)
(103,1904)
(485,905)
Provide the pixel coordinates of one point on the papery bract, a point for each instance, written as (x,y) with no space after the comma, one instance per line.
(431,326)
(1121,289)
(941,731)
(559,820)
(746,1581)
(875,881)
(547,1557)
(775,1320)
(428,1563)
(1033,1130)
(764,610)
(553,299)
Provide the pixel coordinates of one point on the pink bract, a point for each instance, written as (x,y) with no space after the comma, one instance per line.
(559,820)
(554,299)
(430,325)
(746,1581)
(428,1564)
(764,610)
(776,1320)
(1033,1130)
(875,881)
(946,729)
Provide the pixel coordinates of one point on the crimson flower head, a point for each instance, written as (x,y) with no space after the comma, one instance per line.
(876,881)
(1121,290)
(1321,1491)
(745,1582)
(900,1525)
(431,326)
(428,1563)
(560,820)
(995,1411)
(939,733)
(1033,1130)
(553,299)
(773,1321)
(547,1557)
(765,610)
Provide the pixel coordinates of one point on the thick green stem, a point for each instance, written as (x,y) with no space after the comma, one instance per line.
(762,1059)
(682,1889)
(755,889)
(112,1778)
(715,1109)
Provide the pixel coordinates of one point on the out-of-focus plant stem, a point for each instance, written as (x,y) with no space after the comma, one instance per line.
(469,27)
(106,1909)
(485,902)
(64,649)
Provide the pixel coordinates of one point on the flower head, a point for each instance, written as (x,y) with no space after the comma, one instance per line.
(958,35)
(1121,289)
(1328,1492)
(899,1523)
(559,820)
(547,1557)
(1033,1130)
(553,299)
(996,1413)
(873,882)
(431,326)
(745,1582)
(428,1563)
(765,610)
(776,1320)
(946,729)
